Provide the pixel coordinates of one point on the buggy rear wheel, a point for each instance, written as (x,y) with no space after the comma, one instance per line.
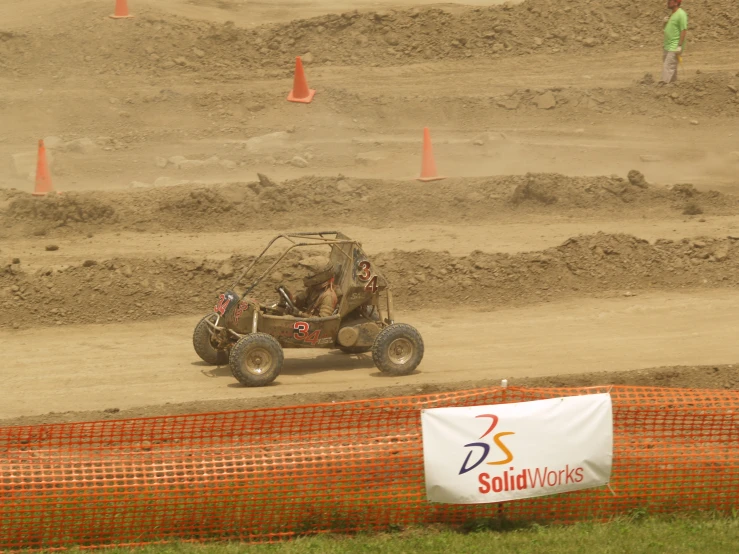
(256,360)
(398,349)
(203,342)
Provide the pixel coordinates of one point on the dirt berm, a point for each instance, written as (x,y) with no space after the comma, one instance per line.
(159,43)
(301,202)
(692,377)
(130,289)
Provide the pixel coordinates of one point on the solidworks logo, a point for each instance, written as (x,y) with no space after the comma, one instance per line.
(480,454)
(526,478)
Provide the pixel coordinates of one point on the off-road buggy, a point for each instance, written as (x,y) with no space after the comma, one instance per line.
(250,336)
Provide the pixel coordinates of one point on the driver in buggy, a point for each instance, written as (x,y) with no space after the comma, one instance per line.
(319,298)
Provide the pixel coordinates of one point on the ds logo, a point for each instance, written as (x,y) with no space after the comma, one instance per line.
(486,448)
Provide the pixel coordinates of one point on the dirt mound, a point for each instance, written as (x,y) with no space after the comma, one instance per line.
(61,209)
(100,291)
(717,89)
(706,94)
(547,189)
(205,202)
(260,205)
(582,265)
(163,44)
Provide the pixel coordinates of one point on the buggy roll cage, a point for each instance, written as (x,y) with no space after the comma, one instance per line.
(301,240)
(315,239)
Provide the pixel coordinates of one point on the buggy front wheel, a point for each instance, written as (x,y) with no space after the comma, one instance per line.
(256,360)
(398,349)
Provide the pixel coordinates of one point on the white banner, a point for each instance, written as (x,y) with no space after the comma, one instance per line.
(482,454)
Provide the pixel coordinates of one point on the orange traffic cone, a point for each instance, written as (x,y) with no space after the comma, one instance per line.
(300,91)
(43,177)
(121,10)
(428,165)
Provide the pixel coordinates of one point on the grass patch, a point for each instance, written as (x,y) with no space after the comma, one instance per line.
(628,535)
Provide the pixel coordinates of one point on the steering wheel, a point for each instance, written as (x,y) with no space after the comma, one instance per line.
(285,294)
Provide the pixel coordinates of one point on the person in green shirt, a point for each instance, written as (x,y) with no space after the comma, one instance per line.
(676,27)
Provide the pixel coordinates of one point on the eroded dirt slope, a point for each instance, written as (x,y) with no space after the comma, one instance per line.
(134,289)
(157,42)
(302,202)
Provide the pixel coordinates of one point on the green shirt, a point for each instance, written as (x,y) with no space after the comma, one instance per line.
(677,24)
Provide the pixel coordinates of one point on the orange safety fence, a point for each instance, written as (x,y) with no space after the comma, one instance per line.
(270,474)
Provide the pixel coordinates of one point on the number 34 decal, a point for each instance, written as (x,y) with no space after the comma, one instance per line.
(365,275)
(301,329)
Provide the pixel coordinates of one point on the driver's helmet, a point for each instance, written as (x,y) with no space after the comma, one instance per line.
(321,270)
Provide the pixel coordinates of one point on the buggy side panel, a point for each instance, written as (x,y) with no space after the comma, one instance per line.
(292,332)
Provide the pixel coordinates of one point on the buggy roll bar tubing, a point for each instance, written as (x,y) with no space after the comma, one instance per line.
(295,245)
(318,235)
(390,307)
(312,233)
(248,269)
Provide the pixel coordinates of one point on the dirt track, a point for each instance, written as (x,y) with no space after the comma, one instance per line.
(160,124)
(148,362)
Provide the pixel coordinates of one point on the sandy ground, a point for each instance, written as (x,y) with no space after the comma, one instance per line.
(372,124)
(128,366)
